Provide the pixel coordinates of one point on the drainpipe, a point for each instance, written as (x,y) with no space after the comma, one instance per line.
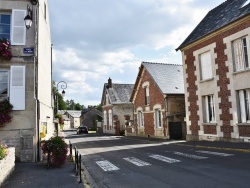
(36,81)
(166,114)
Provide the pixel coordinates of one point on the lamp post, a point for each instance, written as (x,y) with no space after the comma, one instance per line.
(63,86)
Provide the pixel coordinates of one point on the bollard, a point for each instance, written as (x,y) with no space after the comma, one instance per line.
(75,158)
(80,168)
(48,160)
(70,151)
(77,165)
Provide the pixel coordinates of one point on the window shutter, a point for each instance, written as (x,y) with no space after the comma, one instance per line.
(17,87)
(18,29)
(238,54)
(242,106)
(207,109)
(206,66)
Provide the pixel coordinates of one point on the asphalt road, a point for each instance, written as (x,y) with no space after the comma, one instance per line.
(124,162)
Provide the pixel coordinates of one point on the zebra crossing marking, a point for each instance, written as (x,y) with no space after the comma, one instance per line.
(190,156)
(136,161)
(215,153)
(107,166)
(164,159)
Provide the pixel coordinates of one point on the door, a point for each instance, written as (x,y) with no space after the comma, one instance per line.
(175,130)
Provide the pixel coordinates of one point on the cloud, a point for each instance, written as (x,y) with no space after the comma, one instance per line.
(95,39)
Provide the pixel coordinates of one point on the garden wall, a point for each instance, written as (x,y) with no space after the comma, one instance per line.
(7,165)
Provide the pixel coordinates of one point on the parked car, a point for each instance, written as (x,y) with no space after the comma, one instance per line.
(82,129)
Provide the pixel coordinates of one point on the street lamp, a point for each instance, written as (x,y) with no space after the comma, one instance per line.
(63,86)
(28,18)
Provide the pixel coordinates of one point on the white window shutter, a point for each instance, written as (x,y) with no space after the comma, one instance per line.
(17,87)
(207,109)
(206,66)
(18,29)
(242,106)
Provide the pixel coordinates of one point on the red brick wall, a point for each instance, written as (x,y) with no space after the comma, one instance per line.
(156,97)
(223,81)
(244,130)
(210,129)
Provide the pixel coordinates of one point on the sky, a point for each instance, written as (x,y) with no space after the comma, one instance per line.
(94,40)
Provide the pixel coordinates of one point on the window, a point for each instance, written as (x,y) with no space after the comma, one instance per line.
(147,100)
(158,118)
(140,119)
(240,51)
(4,83)
(110,118)
(209,109)
(244,105)
(5,25)
(205,66)
(104,118)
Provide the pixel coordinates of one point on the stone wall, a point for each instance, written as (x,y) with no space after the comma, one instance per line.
(7,165)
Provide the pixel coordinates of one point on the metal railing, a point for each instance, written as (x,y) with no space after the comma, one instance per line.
(77,160)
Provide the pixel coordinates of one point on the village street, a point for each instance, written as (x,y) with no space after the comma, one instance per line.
(114,161)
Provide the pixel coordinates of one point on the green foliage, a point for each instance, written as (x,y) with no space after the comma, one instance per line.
(5,110)
(3,151)
(122,132)
(71,105)
(99,107)
(58,149)
(92,129)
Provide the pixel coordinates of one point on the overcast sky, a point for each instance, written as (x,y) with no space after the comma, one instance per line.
(97,39)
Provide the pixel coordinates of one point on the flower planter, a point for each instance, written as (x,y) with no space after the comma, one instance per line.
(7,165)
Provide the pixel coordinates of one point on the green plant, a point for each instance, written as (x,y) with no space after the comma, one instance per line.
(122,132)
(5,52)
(58,150)
(3,151)
(5,110)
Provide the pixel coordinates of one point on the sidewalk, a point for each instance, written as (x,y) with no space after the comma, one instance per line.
(30,175)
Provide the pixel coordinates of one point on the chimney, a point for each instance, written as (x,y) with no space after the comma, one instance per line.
(109,83)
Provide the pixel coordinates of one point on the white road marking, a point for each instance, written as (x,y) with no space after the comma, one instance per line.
(165,159)
(215,153)
(190,156)
(107,166)
(136,161)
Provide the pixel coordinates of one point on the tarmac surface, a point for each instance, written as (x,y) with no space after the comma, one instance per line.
(37,175)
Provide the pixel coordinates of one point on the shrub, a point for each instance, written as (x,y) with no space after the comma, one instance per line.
(3,151)
(5,110)
(58,150)
(122,133)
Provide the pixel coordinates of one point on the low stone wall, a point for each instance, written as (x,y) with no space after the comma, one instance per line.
(7,165)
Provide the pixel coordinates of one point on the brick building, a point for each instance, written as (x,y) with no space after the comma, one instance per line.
(159,105)
(115,105)
(216,74)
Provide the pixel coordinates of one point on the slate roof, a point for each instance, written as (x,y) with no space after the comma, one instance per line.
(119,93)
(75,113)
(222,15)
(168,77)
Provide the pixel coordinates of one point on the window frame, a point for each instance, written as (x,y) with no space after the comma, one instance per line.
(205,61)
(158,116)
(209,109)
(8,14)
(242,61)
(244,105)
(140,118)
(8,83)
(147,98)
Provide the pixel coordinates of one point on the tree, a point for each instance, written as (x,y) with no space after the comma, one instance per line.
(99,107)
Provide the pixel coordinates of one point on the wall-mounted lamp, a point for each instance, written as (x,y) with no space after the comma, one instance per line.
(34,2)
(28,18)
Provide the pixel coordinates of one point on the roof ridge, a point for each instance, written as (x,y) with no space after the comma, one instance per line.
(162,63)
